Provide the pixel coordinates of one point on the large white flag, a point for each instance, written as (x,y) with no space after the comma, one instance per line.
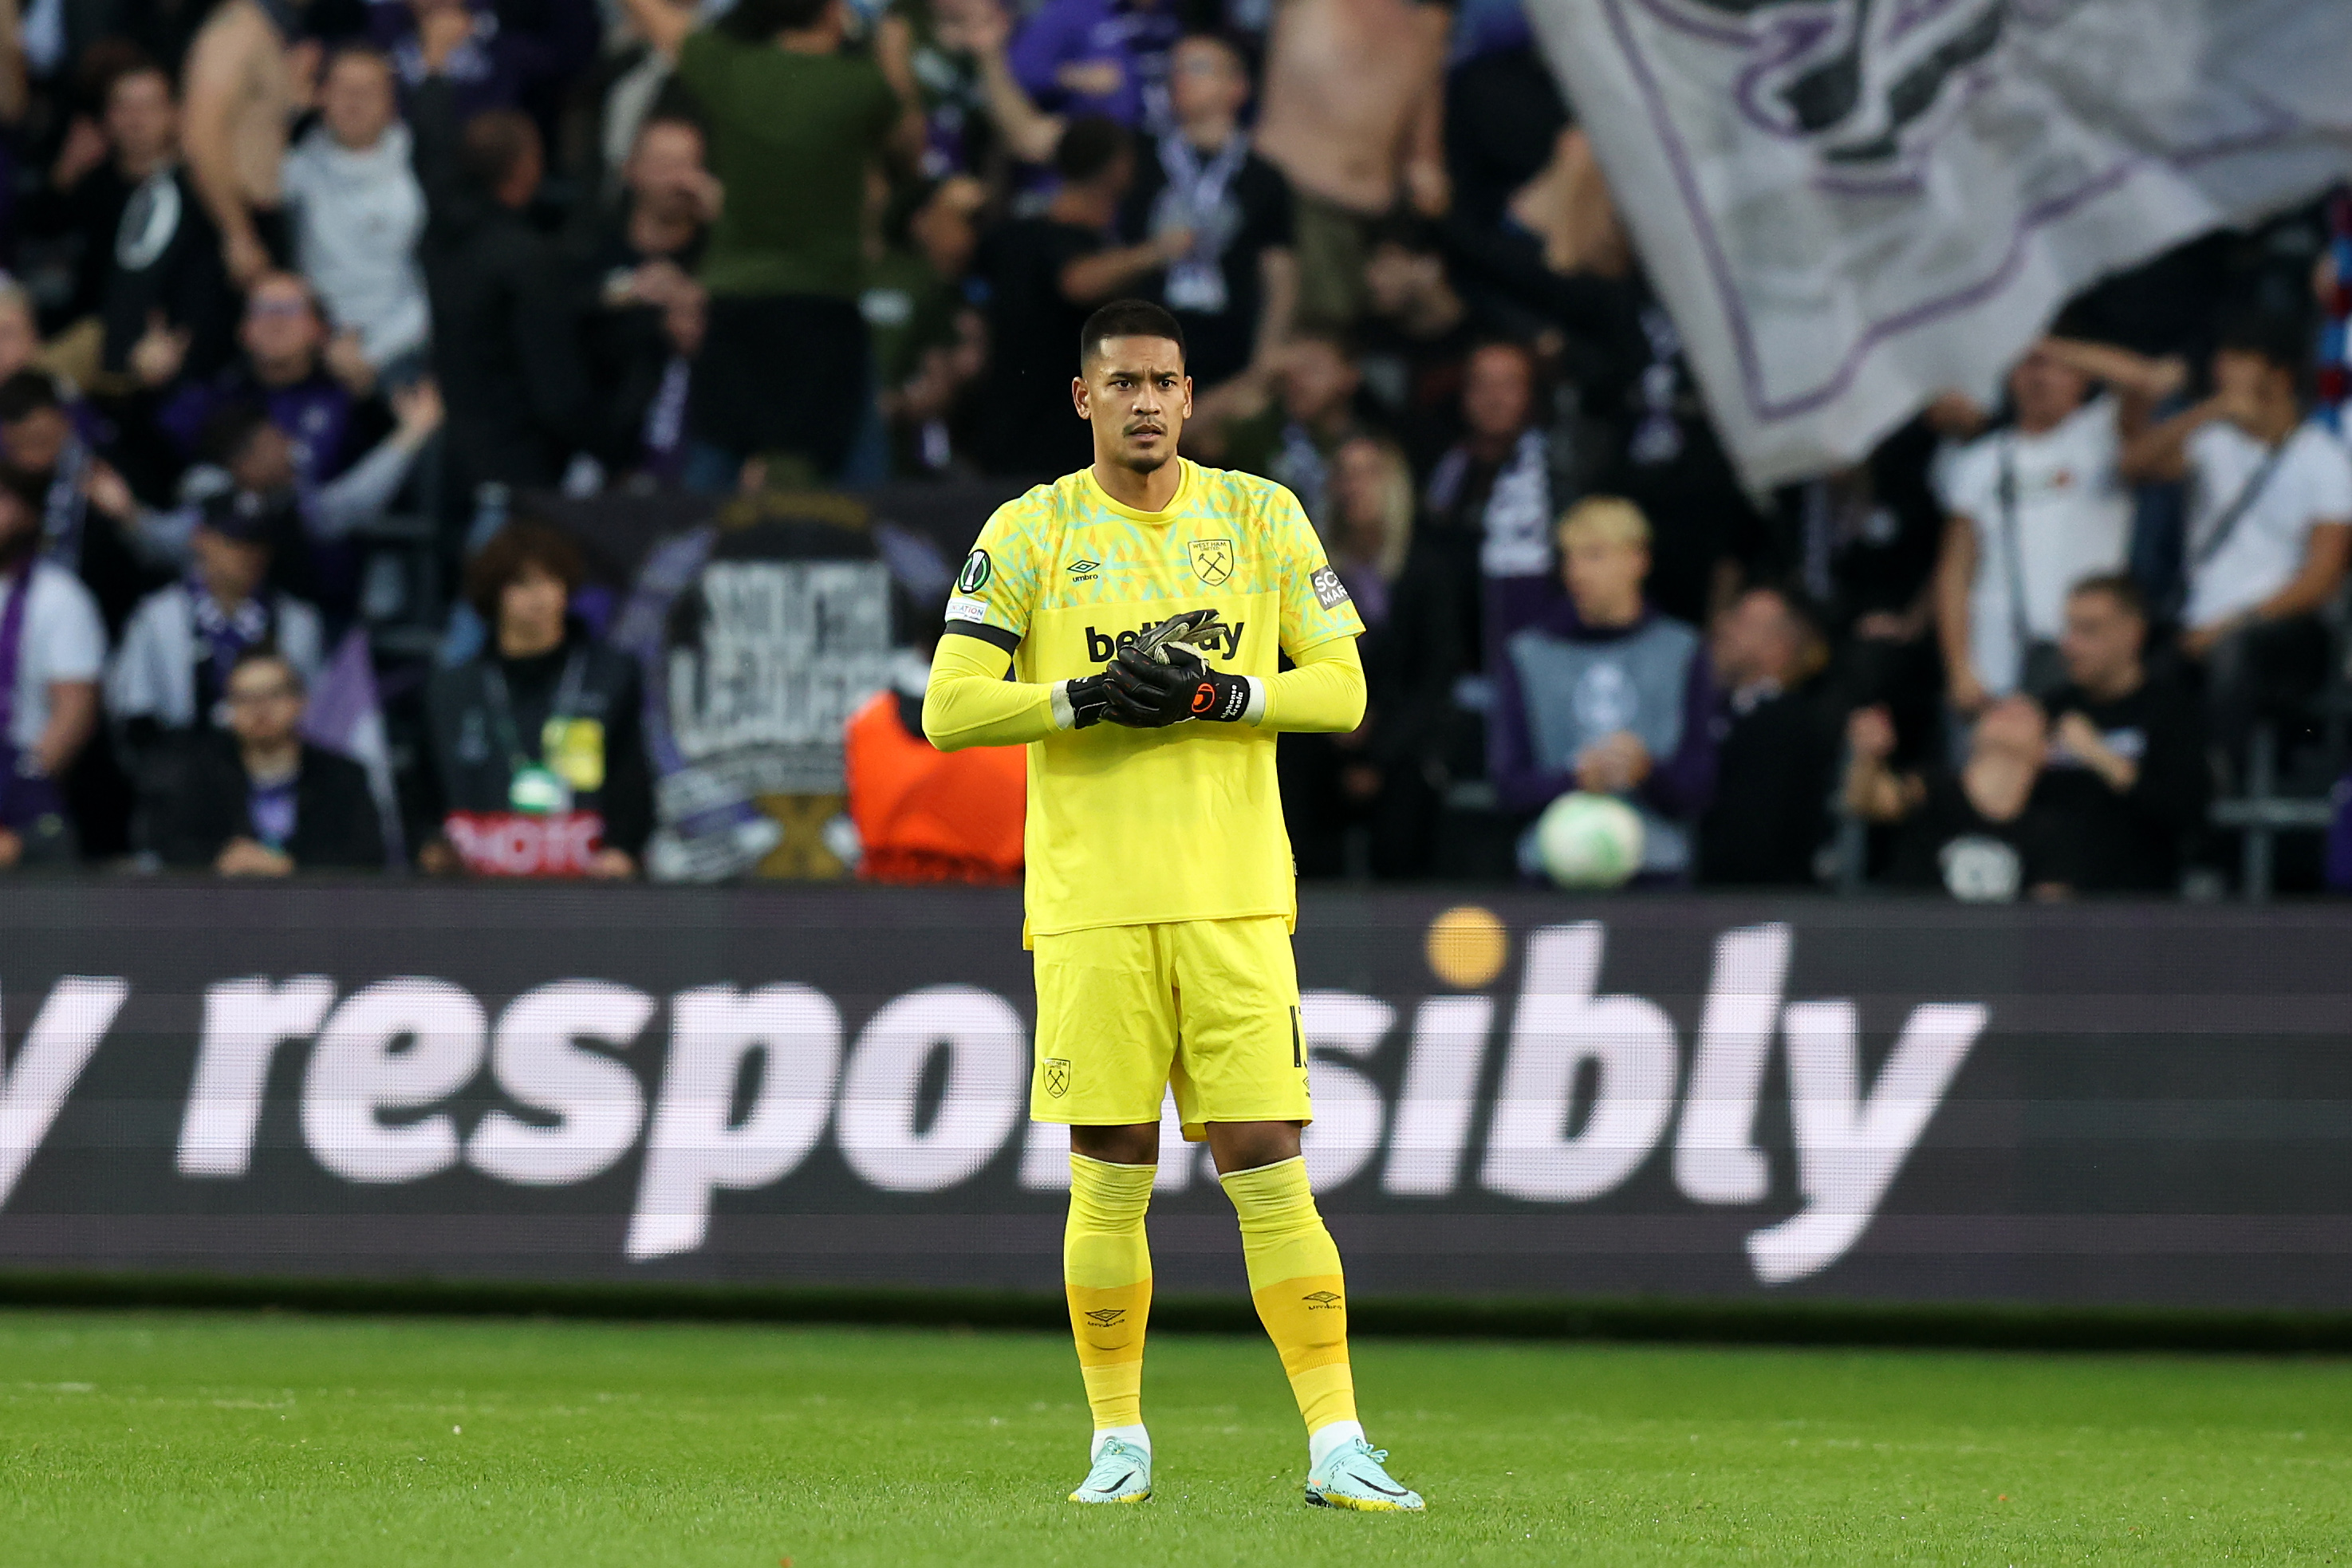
(1852,204)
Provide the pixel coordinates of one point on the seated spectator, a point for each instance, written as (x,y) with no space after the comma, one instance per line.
(282,367)
(1776,746)
(260,801)
(1489,502)
(1235,290)
(928,341)
(1109,57)
(358,214)
(170,672)
(1381,782)
(1353,115)
(2270,526)
(52,647)
(2128,775)
(1975,831)
(2035,508)
(534,765)
(798,123)
(506,337)
(927,816)
(645,313)
(1045,276)
(1603,694)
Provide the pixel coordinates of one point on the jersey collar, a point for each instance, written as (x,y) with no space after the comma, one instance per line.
(1168,514)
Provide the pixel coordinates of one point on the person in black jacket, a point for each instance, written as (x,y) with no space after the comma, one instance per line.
(261,800)
(1777,740)
(536,763)
(507,332)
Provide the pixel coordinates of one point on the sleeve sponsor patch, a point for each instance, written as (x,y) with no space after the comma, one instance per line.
(965,608)
(977,570)
(1329,592)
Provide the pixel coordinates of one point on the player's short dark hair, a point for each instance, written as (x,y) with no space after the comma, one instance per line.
(28,392)
(2280,340)
(1090,144)
(494,143)
(524,542)
(2120,586)
(1128,319)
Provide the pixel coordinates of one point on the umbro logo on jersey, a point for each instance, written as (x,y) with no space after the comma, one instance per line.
(1322,1301)
(1085,570)
(1104,1317)
(1103,647)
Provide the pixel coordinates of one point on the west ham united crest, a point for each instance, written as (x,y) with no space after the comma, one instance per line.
(1212,561)
(1057,1076)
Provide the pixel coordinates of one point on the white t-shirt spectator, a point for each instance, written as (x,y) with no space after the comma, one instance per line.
(357,216)
(2070,519)
(64,640)
(2260,552)
(154,671)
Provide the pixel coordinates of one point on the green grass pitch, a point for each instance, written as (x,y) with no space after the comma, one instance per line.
(200,1439)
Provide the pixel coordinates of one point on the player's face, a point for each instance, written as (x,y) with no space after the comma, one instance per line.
(1137,396)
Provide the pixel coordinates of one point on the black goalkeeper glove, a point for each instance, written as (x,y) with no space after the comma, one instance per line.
(1161,679)
(1089,699)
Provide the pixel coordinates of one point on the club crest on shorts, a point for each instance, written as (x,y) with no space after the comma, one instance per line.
(1056,1075)
(1212,559)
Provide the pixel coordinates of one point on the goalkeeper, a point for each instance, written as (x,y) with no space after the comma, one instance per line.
(1142,605)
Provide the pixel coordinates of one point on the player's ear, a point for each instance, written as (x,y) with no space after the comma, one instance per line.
(1187,396)
(1078,398)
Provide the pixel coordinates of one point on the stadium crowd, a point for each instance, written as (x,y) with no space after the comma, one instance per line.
(278,270)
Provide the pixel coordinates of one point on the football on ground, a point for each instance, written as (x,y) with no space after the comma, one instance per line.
(204,1440)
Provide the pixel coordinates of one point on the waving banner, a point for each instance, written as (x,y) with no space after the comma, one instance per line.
(1850,206)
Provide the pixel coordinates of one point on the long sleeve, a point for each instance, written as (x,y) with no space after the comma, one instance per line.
(1324,694)
(969,703)
(362,492)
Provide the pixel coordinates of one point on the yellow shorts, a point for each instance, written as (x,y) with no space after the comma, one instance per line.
(1207,1007)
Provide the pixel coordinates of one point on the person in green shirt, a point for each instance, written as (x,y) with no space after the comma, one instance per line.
(795,121)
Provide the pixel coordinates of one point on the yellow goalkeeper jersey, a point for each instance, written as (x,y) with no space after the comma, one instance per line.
(1136,826)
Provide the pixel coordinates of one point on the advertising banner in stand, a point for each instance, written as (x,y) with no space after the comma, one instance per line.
(1525,1096)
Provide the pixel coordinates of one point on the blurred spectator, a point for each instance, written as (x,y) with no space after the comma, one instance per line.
(1414,338)
(1975,831)
(647,314)
(518,54)
(506,339)
(1382,781)
(247,75)
(535,764)
(1354,115)
(2035,508)
(1098,56)
(2270,526)
(2126,775)
(52,648)
(930,345)
(1237,288)
(1292,438)
(359,213)
(1602,693)
(20,329)
(1045,276)
(260,801)
(147,258)
(932,51)
(283,367)
(1776,746)
(796,123)
(170,672)
(925,816)
(1491,497)
(91,524)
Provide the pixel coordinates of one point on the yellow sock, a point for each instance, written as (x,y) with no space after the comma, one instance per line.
(1294,1275)
(1107,1270)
